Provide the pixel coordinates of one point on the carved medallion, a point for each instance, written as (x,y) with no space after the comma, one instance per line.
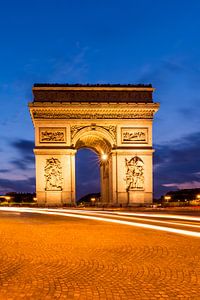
(134,135)
(134,174)
(53,175)
(52,135)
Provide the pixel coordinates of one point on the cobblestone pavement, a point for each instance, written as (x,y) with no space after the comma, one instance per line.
(50,257)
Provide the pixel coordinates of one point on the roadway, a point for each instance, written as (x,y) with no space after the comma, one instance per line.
(87,254)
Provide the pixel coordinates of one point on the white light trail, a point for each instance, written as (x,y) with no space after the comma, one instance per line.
(110,214)
(122,222)
(166,216)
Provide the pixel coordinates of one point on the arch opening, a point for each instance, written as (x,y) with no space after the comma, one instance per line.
(92,165)
(87,175)
(94,140)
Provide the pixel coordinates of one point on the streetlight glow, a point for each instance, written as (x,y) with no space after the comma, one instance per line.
(104,156)
(167,198)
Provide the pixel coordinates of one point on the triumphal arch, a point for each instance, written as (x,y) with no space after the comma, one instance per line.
(115,121)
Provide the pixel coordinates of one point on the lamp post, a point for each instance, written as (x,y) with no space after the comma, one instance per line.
(8,198)
(167,198)
(93,199)
(198,198)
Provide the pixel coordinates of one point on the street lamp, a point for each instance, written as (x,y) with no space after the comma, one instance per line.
(93,200)
(8,198)
(167,198)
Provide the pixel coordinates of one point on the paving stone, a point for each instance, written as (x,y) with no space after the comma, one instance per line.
(43,257)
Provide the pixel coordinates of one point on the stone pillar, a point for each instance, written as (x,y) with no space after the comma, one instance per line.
(55,176)
(104,173)
(113,178)
(132,177)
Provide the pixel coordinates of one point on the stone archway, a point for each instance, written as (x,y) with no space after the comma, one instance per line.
(101,141)
(115,121)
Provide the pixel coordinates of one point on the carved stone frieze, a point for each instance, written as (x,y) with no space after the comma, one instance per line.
(52,135)
(134,174)
(53,175)
(134,135)
(144,114)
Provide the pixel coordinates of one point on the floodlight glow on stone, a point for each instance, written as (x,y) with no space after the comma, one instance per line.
(104,156)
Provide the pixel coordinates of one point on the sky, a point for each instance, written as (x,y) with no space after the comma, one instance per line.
(107,41)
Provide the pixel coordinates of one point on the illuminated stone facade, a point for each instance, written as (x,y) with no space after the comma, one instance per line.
(115,120)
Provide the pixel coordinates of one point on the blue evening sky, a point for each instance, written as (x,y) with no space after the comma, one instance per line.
(107,41)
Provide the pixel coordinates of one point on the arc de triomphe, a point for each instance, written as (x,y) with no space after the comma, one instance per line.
(115,121)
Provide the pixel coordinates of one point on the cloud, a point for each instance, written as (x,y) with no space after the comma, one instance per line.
(23,145)
(26,185)
(172,74)
(190,113)
(26,156)
(177,165)
(72,69)
(4,171)
(161,72)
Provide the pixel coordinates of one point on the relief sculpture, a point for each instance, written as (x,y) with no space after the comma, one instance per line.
(96,115)
(52,135)
(53,175)
(134,135)
(134,174)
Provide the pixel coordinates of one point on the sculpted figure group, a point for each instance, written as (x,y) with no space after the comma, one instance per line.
(53,175)
(134,174)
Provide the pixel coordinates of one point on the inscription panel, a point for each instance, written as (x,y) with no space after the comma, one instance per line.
(131,135)
(52,135)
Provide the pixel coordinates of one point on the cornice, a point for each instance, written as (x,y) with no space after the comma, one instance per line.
(103,111)
(131,151)
(90,105)
(52,151)
(92,88)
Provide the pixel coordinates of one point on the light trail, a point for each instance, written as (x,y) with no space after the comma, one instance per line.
(148,220)
(110,214)
(165,216)
(135,216)
(122,222)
